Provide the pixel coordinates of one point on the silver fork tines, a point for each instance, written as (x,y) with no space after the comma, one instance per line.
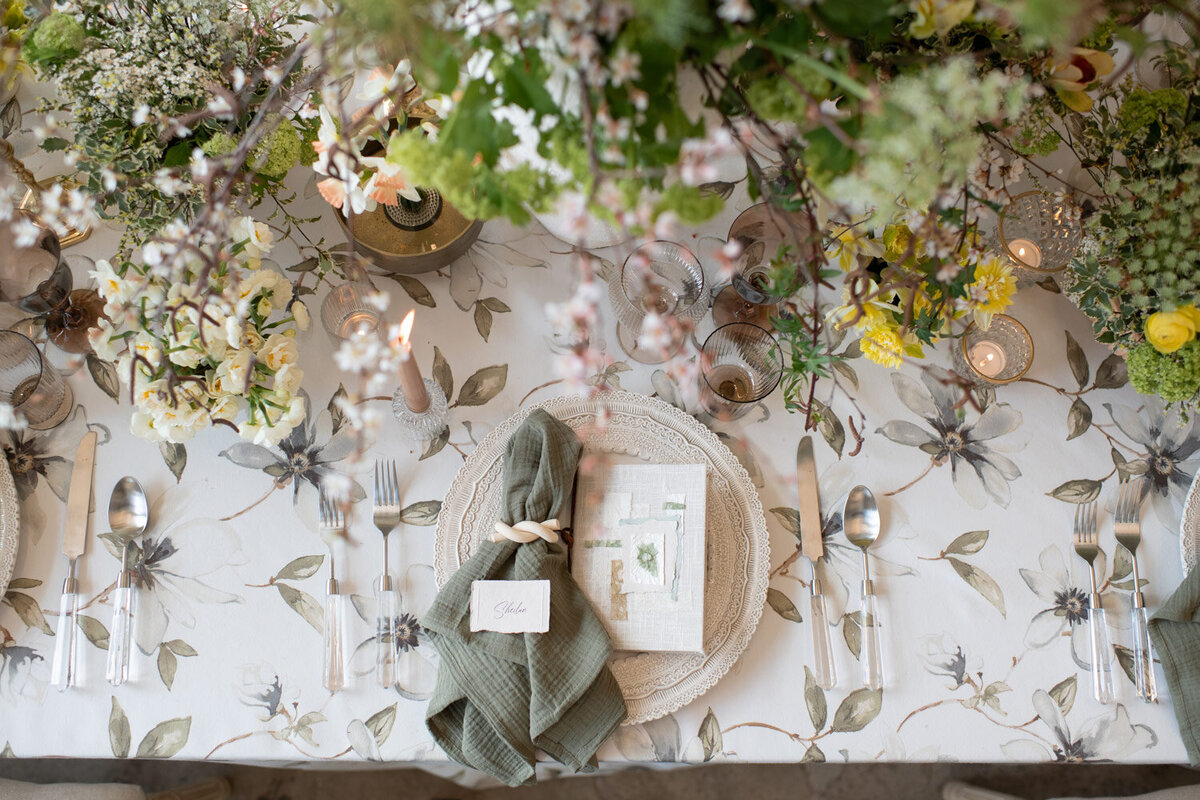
(333,525)
(1087,546)
(387,509)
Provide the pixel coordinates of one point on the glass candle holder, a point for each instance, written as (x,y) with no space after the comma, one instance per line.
(760,230)
(346,311)
(740,364)
(1001,354)
(1040,233)
(660,278)
(33,387)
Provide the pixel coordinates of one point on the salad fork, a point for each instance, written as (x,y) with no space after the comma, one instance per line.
(1087,547)
(386,518)
(1128,527)
(333,672)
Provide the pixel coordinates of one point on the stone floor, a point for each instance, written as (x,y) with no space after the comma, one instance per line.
(758,782)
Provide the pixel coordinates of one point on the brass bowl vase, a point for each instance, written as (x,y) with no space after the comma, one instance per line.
(412,237)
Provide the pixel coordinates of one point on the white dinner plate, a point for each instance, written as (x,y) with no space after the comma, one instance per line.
(10,524)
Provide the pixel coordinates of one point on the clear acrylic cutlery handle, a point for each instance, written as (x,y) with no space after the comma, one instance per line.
(386,638)
(116,670)
(826,670)
(62,675)
(1102,686)
(1143,657)
(872,662)
(333,673)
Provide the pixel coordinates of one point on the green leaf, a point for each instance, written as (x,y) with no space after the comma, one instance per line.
(24,583)
(1112,373)
(852,633)
(710,736)
(981,582)
(119,738)
(1125,659)
(847,372)
(1122,564)
(300,568)
(495,305)
(415,289)
(181,648)
(814,698)
(104,374)
(1080,490)
(165,739)
(1063,693)
(783,606)
(858,710)
(334,406)
(831,428)
(789,518)
(93,629)
(483,385)
(524,83)
(28,610)
(423,513)
(1077,360)
(167,664)
(442,375)
(813,755)
(54,144)
(483,320)
(970,542)
(437,444)
(380,724)
(304,605)
(1079,418)
(175,457)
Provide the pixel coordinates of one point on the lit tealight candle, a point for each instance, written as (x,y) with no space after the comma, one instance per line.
(1027,252)
(987,358)
(415,395)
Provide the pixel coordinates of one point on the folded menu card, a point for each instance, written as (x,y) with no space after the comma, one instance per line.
(639,553)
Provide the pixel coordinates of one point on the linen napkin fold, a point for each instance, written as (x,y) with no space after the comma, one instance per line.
(1175,632)
(500,696)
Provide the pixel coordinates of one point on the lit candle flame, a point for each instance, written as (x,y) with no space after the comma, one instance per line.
(406,329)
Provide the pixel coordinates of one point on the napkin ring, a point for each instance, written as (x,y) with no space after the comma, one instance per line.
(527,531)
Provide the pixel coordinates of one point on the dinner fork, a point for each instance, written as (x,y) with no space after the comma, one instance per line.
(1087,547)
(1128,527)
(386,518)
(333,672)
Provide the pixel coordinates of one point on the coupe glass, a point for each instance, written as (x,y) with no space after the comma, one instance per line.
(660,278)
(740,365)
(760,230)
(345,311)
(33,387)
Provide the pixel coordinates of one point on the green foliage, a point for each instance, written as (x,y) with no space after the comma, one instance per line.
(1175,377)
(56,38)
(1143,108)
(278,152)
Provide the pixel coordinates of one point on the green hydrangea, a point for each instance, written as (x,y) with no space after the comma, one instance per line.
(1035,140)
(1143,108)
(277,153)
(222,144)
(1175,377)
(690,204)
(58,37)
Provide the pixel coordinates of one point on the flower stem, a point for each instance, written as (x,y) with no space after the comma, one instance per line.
(932,463)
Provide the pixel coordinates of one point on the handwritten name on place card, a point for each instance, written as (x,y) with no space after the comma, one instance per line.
(510,606)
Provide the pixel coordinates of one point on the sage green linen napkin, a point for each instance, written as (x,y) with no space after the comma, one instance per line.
(499,696)
(1175,632)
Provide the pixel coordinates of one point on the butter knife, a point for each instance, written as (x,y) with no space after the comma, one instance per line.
(812,547)
(79,502)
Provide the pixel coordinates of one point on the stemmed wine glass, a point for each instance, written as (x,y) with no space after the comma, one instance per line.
(663,281)
(759,230)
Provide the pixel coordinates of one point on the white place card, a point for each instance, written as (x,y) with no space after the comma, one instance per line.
(510,606)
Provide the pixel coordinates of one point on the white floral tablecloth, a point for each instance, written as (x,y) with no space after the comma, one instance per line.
(984,602)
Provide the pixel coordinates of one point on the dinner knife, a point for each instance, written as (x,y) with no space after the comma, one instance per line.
(79,502)
(812,547)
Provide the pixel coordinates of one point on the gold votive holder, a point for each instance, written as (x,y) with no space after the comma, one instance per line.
(1040,233)
(1001,353)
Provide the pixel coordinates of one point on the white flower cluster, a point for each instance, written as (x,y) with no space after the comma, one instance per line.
(204,346)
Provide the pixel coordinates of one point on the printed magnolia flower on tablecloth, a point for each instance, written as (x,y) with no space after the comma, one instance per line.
(181,547)
(942,655)
(24,673)
(303,460)
(1171,459)
(1069,604)
(34,456)
(1110,737)
(977,470)
(259,686)
(416,665)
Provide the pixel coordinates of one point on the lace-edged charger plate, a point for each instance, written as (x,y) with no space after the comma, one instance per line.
(1189,527)
(10,525)
(641,429)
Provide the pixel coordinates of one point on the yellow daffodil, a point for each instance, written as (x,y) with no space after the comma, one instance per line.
(872,310)
(992,290)
(938,16)
(882,344)
(1078,71)
(1168,331)
(845,248)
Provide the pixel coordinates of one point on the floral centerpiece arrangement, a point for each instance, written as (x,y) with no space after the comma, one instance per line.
(215,348)
(144,89)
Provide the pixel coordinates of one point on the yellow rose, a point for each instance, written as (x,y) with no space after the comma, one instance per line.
(1170,330)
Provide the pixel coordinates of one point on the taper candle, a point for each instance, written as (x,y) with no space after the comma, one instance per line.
(415,396)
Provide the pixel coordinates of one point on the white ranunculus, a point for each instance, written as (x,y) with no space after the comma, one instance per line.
(300,312)
(277,351)
(287,380)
